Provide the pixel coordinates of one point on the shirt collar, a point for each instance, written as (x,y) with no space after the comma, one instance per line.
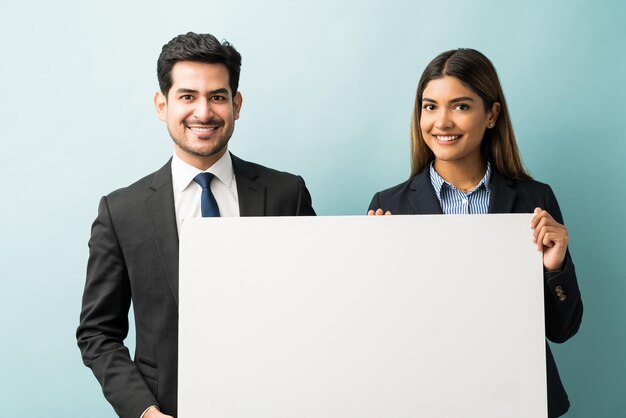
(438,182)
(183,173)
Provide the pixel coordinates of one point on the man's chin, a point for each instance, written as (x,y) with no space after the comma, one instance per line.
(203,150)
(208,152)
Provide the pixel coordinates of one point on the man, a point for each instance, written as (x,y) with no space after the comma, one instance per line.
(134,239)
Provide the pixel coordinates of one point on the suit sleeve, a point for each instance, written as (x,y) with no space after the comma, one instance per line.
(375,203)
(563,303)
(104,322)
(304,206)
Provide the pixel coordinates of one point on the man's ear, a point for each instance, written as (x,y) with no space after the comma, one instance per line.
(237,102)
(160,102)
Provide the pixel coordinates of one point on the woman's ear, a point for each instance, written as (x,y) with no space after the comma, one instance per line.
(492,115)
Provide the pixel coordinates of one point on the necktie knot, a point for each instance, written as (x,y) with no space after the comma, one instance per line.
(204,179)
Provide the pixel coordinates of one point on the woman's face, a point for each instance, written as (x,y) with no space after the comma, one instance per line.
(454,120)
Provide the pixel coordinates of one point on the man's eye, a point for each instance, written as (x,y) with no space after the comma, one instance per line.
(218,98)
(186,97)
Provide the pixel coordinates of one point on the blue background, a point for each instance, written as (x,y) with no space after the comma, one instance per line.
(328,92)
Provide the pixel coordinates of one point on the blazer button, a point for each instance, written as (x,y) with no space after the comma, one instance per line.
(560,293)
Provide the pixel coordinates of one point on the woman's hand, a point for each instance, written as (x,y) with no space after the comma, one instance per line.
(378,212)
(551,237)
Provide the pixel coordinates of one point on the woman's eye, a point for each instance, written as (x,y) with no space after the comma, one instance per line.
(461,106)
(428,107)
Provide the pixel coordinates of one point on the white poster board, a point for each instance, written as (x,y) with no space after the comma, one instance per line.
(361,317)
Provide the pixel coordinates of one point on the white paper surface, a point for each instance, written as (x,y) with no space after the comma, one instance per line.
(339,317)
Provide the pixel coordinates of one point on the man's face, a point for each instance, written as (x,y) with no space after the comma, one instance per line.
(199,111)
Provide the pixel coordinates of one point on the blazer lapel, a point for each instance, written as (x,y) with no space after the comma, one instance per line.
(502,194)
(251,193)
(423,199)
(162,215)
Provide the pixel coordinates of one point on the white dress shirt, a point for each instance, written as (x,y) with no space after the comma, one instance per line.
(187,193)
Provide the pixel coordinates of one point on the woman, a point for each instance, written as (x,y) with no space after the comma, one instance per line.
(465,160)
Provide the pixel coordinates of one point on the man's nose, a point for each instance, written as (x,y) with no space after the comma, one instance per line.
(203,110)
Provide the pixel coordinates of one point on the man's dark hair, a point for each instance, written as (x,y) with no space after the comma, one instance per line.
(204,48)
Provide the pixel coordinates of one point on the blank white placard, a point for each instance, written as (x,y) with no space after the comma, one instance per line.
(363,317)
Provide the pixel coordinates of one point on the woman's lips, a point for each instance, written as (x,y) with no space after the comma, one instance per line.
(447,138)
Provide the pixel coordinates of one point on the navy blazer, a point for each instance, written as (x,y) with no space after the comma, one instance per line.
(133,255)
(563,304)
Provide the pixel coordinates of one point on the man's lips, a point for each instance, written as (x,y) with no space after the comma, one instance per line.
(202,129)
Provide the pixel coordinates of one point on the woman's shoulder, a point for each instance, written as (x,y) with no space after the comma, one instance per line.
(528,194)
(397,189)
(412,183)
(530,185)
(397,198)
(521,185)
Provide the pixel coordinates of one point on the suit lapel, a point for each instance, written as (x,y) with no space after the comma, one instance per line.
(162,215)
(250,191)
(502,194)
(423,199)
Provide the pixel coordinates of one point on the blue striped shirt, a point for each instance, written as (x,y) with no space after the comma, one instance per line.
(454,201)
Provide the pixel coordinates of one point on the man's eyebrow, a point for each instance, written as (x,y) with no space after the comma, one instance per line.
(456,100)
(183,90)
(219,91)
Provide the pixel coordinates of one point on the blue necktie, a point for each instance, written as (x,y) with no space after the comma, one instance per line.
(208,203)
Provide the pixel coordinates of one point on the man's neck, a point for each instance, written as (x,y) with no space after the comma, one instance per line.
(200,162)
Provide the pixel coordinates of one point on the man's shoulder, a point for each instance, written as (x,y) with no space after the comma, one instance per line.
(258,172)
(264,191)
(139,188)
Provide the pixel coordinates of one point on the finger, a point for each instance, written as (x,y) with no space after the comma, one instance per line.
(538,237)
(539,214)
(547,241)
(370,212)
(535,219)
(539,224)
(387,213)
(556,236)
(542,215)
(379,212)
(544,220)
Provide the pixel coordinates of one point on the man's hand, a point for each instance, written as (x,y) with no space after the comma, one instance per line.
(153,412)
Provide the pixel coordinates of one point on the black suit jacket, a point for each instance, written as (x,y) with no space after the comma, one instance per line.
(133,255)
(563,317)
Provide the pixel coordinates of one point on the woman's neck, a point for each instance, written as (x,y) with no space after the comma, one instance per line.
(463,176)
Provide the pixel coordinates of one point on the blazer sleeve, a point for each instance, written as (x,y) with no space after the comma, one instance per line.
(104,322)
(375,203)
(563,303)
(305,204)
